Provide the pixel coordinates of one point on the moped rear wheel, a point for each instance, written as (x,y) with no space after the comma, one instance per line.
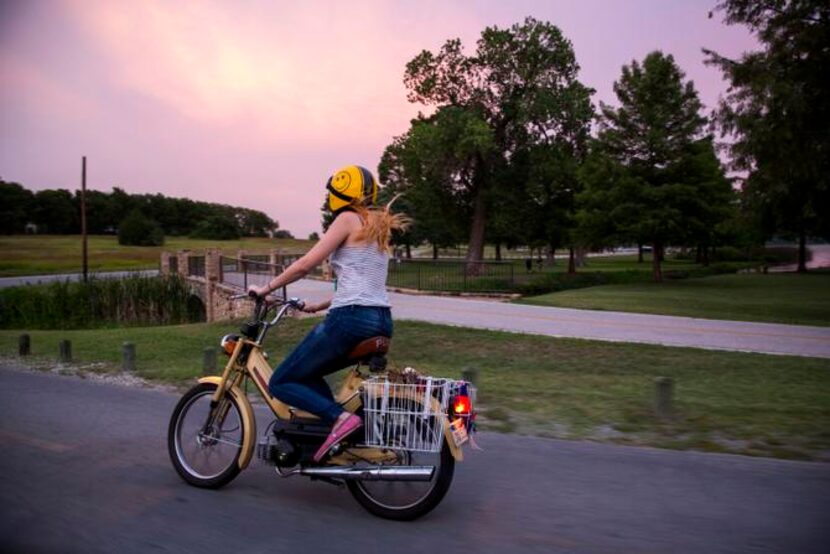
(205,443)
(408,500)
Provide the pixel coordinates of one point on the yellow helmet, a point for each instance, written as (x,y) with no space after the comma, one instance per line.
(351,183)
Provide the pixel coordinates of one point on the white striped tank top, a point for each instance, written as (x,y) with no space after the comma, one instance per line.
(361,276)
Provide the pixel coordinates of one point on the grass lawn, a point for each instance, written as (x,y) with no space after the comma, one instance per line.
(779,298)
(37,254)
(729,402)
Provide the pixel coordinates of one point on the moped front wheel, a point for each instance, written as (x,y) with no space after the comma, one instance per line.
(204,441)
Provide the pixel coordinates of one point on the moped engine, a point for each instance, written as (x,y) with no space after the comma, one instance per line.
(277,451)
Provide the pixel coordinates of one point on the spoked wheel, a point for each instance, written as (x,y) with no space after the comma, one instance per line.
(407,500)
(205,444)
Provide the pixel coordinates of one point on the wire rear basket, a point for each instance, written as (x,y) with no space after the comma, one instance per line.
(408,415)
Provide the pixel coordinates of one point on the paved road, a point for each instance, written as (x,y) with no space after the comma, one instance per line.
(85,469)
(770,338)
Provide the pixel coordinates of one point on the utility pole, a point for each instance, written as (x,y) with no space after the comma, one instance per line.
(83,217)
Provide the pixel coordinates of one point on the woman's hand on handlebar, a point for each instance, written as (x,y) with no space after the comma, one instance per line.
(259,292)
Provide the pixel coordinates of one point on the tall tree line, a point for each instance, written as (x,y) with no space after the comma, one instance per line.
(512,151)
(776,115)
(57,211)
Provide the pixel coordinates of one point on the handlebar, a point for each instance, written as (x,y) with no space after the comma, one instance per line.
(262,306)
(293,302)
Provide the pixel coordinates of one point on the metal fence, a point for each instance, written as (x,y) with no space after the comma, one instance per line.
(195,266)
(427,275)
(243,272)
(452,275)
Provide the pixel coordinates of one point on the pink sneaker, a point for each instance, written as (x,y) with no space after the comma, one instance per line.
(338,432)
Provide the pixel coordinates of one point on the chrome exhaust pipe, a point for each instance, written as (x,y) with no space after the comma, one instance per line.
(371,473)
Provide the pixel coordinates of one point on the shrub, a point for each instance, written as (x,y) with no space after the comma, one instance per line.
(134,300)
(781,255)
(556,282)
(138,230)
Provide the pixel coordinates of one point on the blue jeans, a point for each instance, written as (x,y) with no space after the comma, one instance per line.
(298,381)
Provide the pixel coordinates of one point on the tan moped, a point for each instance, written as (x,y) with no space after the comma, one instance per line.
(400,466)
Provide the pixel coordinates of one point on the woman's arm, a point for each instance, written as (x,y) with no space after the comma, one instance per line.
(312,308)
(338,231)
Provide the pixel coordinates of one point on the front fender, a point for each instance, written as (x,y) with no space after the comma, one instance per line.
(248,420)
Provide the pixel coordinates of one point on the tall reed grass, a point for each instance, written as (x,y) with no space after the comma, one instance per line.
(133,300)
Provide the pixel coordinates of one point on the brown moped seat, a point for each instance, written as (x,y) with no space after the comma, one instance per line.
(375,346)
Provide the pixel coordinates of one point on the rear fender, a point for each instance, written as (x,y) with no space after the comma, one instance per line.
(248,420)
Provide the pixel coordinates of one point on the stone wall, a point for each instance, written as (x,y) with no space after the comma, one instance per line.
(211,289)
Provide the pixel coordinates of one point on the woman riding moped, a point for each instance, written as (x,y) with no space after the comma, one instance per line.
(357,242)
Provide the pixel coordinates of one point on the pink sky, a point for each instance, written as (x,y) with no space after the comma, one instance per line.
(255,103)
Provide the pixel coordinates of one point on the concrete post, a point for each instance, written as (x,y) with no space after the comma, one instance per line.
(327,269)
(65,351)
(663,397)
(128,356)
(242,265)
(182,257)
(24,345)
(470,374)
(165,263)
(213,261)
(209,360)
(275,259)
(211,298)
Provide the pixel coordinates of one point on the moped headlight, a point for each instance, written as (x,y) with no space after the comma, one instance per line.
(228,344)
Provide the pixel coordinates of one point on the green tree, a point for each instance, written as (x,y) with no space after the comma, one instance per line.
(431,165)
(121,204)
(217,227)
(254,223)
(15,207)
(55,212)
(645,180)
(100,218)
(138,230)
(777,114)
(521,86)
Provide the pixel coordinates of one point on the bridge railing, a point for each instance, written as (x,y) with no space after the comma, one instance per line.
(244,272)
(196,266)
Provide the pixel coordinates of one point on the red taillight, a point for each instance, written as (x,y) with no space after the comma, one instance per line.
(461,405)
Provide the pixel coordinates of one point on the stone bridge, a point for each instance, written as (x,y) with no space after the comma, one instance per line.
(215,278)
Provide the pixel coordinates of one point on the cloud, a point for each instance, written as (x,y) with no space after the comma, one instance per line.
(285,72)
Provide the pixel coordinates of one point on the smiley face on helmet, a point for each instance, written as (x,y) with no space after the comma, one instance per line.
(349,184)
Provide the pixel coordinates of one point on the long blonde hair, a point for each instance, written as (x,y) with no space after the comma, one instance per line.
(378,223)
